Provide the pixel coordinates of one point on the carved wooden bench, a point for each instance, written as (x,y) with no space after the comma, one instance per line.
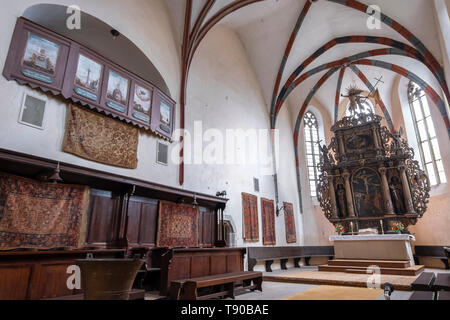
(189,289)
(437,252)
(269,254)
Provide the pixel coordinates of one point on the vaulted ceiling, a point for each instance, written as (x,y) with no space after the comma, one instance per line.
(265,28)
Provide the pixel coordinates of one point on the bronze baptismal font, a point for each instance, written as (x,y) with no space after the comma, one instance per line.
(369,178)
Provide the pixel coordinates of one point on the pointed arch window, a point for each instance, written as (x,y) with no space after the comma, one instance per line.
(426,135)
(312,140)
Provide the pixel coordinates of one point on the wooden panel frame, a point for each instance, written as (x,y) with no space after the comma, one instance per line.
(65,73)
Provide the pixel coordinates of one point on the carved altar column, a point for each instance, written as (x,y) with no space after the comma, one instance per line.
(406,190)
(348,194)
(332,198)
(340,147)
(386,193)
(375,135)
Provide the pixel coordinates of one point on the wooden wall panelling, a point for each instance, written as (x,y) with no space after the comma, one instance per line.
(35,275)
(207,227)
(14,281)
(142,222)
(50,280)
(103,208)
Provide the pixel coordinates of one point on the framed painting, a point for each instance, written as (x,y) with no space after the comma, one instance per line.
(88,77)
(37,56)
(163,115)
(141,102)
(116,91)
(40,57)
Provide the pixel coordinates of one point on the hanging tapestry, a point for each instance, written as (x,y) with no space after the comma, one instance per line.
(268,218)
(40,215)
(291,233)
(99,138)
(178,225)
(250,216)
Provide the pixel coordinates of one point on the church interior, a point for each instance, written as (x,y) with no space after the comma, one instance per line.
(225,150)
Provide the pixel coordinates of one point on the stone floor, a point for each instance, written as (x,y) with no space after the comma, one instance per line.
(279,290)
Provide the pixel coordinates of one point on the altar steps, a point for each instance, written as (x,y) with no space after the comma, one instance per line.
(367,263)
(398,268)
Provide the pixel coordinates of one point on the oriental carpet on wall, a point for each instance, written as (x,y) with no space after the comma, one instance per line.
(268,220)
(250,217)
(178,225)
(40,215)
(99,138)
(289,221)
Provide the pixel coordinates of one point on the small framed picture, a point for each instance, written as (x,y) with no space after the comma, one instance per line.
(165,113)
(40,58)
(141,103)
(32,111)
(88,77)
(117,91)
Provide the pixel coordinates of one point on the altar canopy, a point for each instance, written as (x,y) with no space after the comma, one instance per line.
(40,215)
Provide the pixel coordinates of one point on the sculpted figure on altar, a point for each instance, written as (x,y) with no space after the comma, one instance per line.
(341,201)
(397,195)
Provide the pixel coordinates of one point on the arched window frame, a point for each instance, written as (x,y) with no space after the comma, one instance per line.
(312,152)
(426,135)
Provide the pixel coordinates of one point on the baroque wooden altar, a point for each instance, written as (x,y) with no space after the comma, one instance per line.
(369,178)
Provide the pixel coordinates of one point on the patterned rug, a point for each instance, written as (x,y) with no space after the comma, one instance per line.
(341,279)
(178,225)
(289,221)
(268,222)
(99,138)
(38,215)
(337,293)
(250,214)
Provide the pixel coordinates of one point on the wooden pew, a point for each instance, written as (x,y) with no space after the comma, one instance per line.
(424,282)
(422,296)
(269,254)
(442,282)
(437,252)
(226,281)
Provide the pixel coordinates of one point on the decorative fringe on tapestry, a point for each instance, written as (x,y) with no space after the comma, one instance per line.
(99,138)
(40,215)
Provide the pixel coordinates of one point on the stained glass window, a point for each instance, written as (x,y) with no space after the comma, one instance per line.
(312,150)
(426,135)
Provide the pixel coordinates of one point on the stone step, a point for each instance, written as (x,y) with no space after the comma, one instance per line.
(367,263)
(410,271)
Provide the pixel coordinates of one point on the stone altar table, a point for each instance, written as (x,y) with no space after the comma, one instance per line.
(392,247)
